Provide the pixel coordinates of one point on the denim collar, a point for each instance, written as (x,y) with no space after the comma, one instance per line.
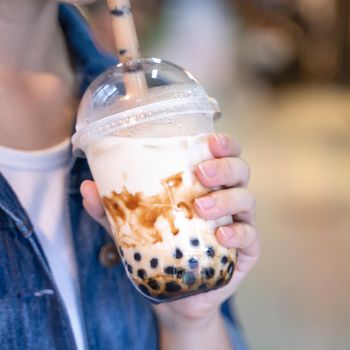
(89,62)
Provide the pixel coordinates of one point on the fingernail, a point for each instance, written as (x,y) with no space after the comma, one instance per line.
(226,233)
(205,203)
(208,169)
(221,139)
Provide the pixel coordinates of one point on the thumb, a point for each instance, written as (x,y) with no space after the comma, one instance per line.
(93,204)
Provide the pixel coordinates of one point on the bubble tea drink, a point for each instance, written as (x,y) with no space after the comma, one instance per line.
(143,143)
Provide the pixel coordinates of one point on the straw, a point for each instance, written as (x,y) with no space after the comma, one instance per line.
(127,43)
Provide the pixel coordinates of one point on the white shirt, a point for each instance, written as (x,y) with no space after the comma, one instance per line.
(38,179)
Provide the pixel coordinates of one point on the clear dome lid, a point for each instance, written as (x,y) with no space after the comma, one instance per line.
(108,107)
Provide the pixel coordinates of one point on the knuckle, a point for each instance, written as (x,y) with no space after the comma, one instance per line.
(221,203)
(236,169)
(235,146)
(243,197)
(238,147)
(227,167)
(241,231)
(220,199)
(256,241)
(258,253)
(250,200)
(250,235)
(253,205)
(246,170)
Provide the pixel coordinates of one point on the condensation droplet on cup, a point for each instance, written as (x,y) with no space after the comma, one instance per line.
(131,121)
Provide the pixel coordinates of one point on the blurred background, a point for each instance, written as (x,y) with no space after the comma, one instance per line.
(281,72)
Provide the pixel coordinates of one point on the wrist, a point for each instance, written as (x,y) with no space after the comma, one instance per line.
(206,332)
(185,322)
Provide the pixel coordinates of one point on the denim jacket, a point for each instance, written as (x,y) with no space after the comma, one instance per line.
(32,313)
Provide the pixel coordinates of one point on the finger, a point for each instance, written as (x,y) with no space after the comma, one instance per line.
(230,201)
(248,217)
(92,202)
(246,260)
(240,236)
(246,240)
(223,172)
(223,145)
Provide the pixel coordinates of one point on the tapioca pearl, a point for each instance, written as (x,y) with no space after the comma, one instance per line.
(174,271)
(170,270)
(208,272)
(194,242)
(162,296)
(153,284)
(178,254)
(129,267)
(179,272)
(230,268)
(121,251)
(144,289)
(202,286)
(154,263)
(210,252)
(172,287)
(193,263)
(137,256)
(224,260)
(189,278)
(219,282)
(141,273)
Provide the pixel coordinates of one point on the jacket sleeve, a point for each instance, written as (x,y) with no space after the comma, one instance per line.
(233,327)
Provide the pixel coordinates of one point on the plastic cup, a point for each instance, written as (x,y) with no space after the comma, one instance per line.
(142,150)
